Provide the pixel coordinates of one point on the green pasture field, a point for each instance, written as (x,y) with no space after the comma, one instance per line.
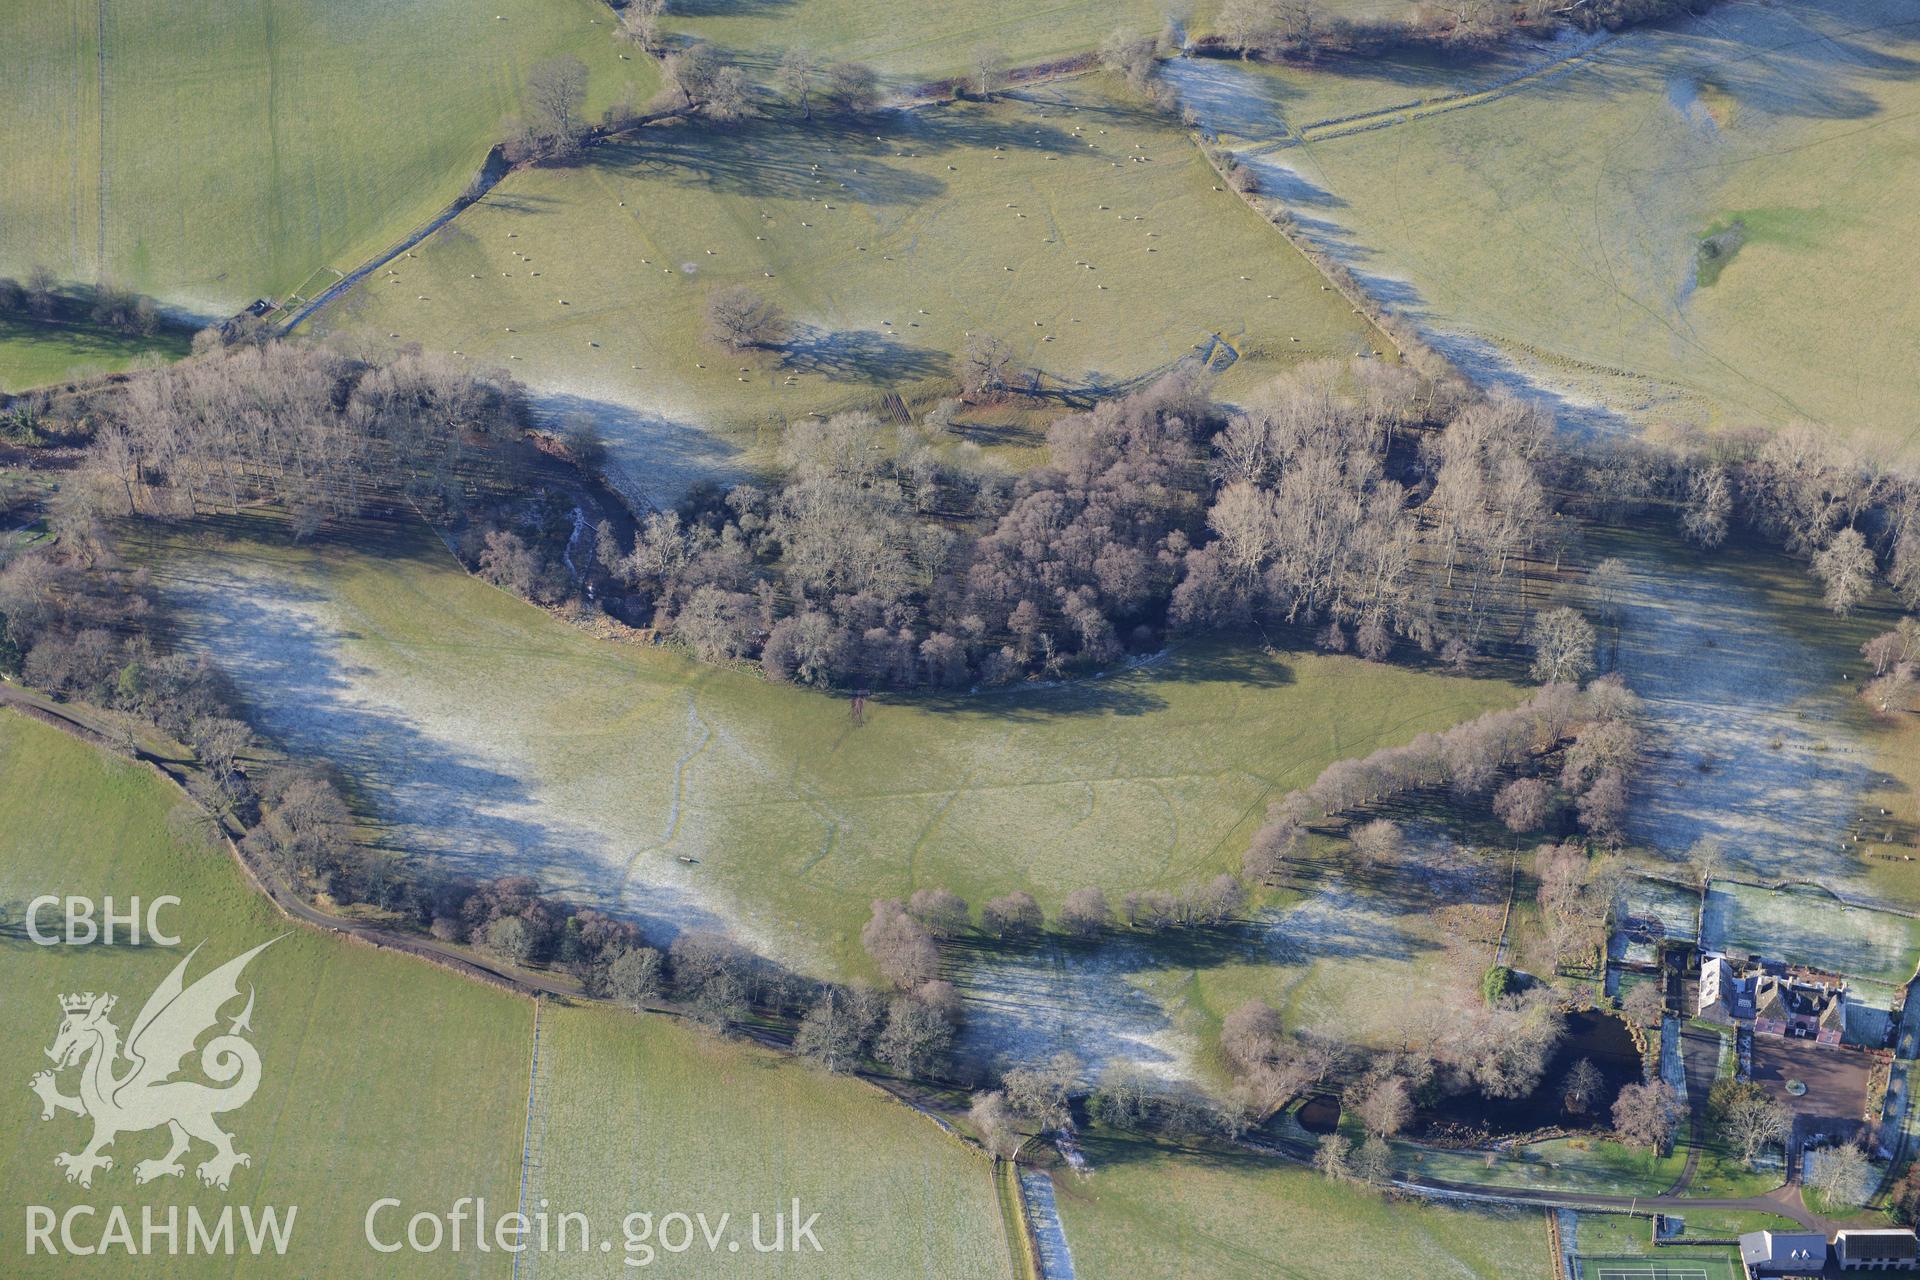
(380,1075)
(209,152)
(1556,230)
(1066,220)
(1803,925)
(643,1118)
(1150,1210)
(1600,1166)
(39,355)
(503,739)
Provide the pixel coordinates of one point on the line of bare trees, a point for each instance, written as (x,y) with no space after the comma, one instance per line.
(316,433)
(1593,733)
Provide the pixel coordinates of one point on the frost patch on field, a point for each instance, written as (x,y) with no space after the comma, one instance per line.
(1028,1005)
(1232,102)
(1676,907)
(655,455)
(1746,743)
(1803,926)
(1361,951)
(448,779)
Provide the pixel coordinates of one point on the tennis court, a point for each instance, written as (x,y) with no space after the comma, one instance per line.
(1684,1268)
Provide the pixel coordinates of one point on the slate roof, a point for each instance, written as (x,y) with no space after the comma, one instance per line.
(1784,1253)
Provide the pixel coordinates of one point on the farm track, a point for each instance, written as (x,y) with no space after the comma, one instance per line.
(487,176)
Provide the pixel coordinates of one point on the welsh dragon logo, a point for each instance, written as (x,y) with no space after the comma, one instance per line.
(143,1094)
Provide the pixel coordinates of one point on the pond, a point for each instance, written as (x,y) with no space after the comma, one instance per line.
(1319,1114)
(1599,1037)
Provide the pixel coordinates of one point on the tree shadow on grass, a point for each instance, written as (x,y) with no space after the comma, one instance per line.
(501,200)
(1124,687)
(859,355)
(693,10)
(777,158)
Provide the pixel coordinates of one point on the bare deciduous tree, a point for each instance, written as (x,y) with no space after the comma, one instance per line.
(1129,54)
(1524,804)
(900,946)
(1709,504)
(1562,642)
(556,96)
(942,911)
(1085,913)
(989,70)
(917,1035)
(996,1124)
(1039,1092)
(1385,1106)
(42,297)
(1580,1091)
(1845,569)
(853,88)
(1644,1115)
(1379,841)
(1012,915)
(801,75)
(739,318)
(1333,1157)
(1373,1161)
(1750,1117)
(837,1029)
(983,367)
(1644,1004)
(635,976)
(1842,1174)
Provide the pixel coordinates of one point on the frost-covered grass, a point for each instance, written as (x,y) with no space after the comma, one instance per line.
(1802,925)
(1675,906)
(1755,741)
(481,729)
(1596,1165)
